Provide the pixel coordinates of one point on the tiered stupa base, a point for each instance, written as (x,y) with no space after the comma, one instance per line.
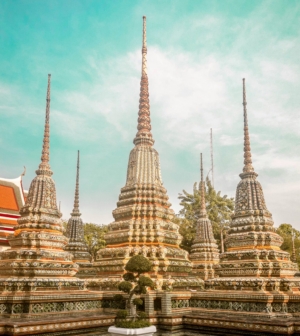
(86,271)
(204,252)
(203,271)
(143,225)
(170,267)
(167,261)
(82,258)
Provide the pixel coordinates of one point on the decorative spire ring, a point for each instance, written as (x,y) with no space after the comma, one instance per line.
(76,210)
(202,186)
(144,135)
(248,168)
(44,166)
(144,48)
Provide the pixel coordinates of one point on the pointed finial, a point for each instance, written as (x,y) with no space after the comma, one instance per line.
(247,149)
(203,206)
(44,165)
(144,48)
(76,198)
(144,135)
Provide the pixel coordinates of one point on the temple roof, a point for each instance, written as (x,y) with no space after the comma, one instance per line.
(12,199)
(12,195)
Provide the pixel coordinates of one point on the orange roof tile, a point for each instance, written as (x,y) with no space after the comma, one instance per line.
(8,198)
(8,221)
(4,234)
(11,201)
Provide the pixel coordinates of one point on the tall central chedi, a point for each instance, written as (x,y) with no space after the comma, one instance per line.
(143,218)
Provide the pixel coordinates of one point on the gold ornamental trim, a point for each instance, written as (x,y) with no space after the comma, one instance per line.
(141,244)
(240,248)
(59,233)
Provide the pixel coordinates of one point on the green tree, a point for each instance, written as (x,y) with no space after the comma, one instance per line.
(286,231)
(64,223)
(94,237)
(135,283)
(219,209)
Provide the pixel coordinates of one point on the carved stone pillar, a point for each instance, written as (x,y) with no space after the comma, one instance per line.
(149,304)
(166,303)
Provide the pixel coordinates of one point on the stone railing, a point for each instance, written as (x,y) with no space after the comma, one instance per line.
(47,309)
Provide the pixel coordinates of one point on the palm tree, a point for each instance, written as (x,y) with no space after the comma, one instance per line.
(219,209)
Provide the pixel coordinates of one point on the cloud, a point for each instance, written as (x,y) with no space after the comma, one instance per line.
(195,68)
(188,96)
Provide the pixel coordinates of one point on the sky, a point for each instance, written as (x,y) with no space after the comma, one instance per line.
(198,53)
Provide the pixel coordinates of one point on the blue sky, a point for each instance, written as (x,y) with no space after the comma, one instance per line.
(198,53)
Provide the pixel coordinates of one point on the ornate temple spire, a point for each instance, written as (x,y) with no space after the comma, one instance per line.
(75,233)
(204,251)
(44,165)
(143,217)
(252,235)
(42,193)
(40,223)
(76,210)
(202,186)
(144,136)
(248,168)
(143,164)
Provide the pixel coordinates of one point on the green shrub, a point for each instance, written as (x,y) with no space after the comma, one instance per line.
(134,284)
(145,281)
(137,302)
(118,297)
(122,314)
(125,286)
(143,290)
(142,315)
(138,264)
(132,324)
(129,277)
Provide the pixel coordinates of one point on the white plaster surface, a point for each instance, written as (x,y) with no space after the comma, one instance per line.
(148,331)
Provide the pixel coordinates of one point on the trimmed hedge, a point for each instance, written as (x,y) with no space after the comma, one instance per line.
(132,324)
